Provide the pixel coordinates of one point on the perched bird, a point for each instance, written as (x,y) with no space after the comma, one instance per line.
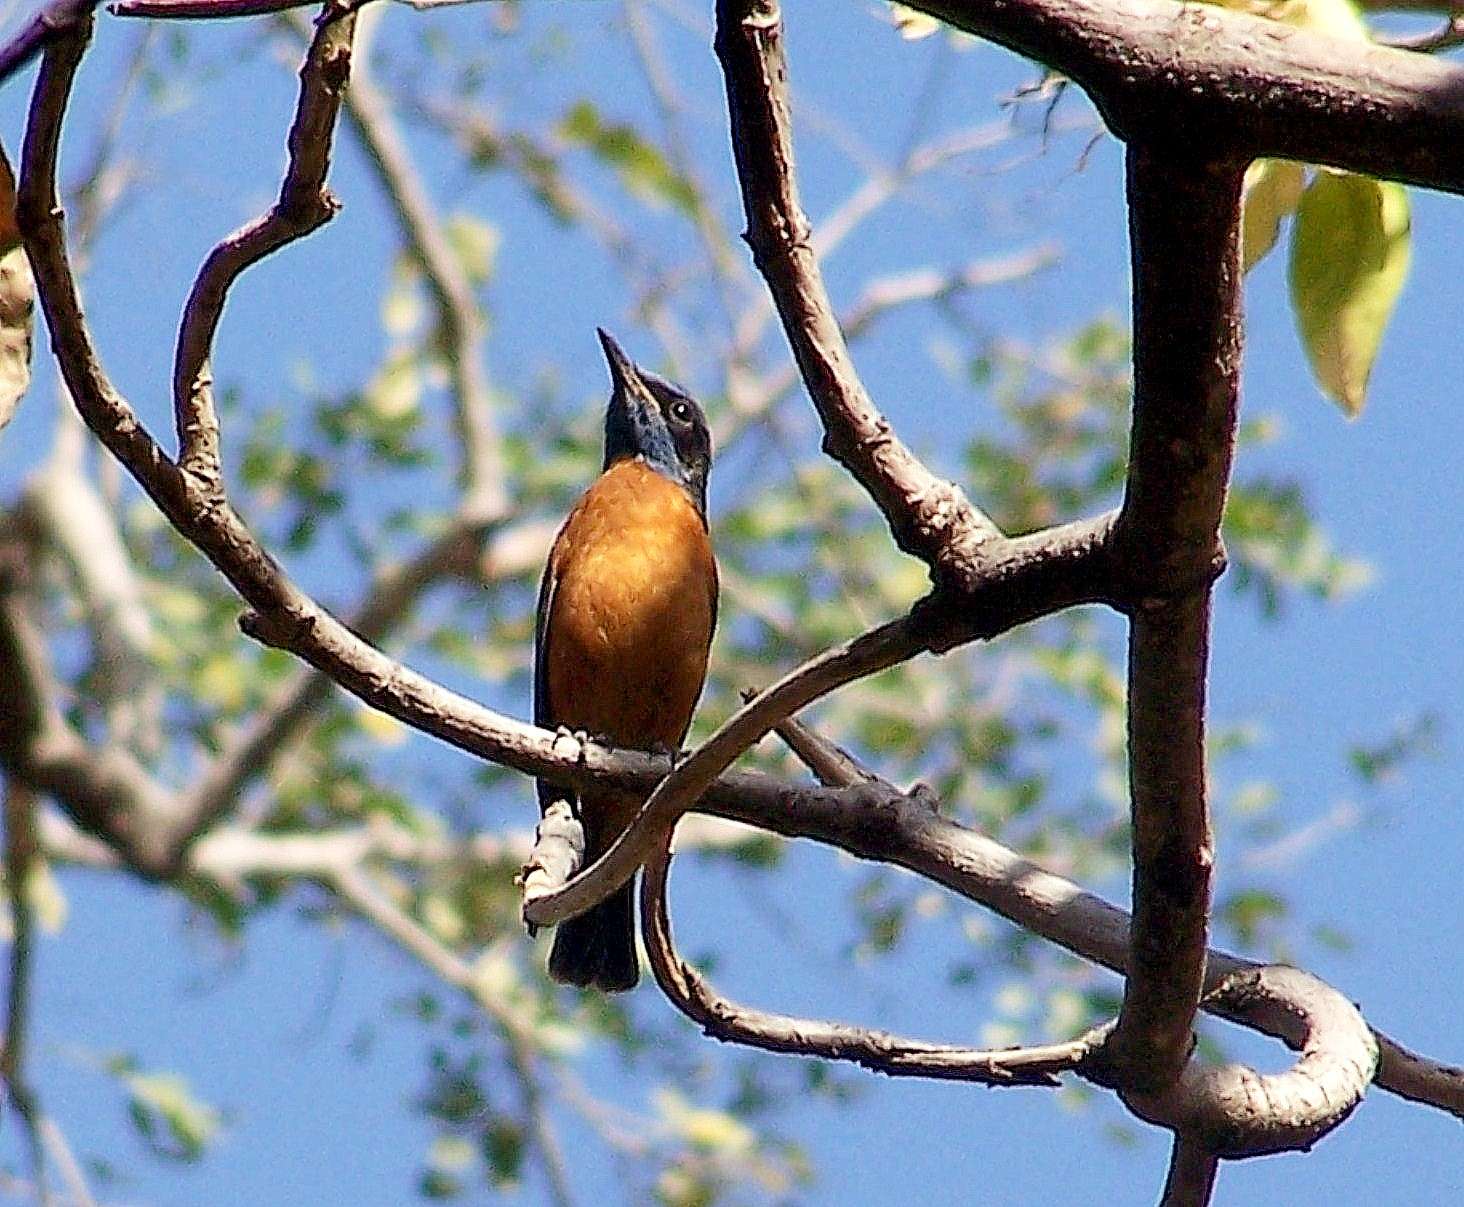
(626,612)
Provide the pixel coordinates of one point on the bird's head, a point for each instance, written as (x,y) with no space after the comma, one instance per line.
(653,418)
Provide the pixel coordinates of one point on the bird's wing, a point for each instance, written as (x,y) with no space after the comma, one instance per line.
(543,707)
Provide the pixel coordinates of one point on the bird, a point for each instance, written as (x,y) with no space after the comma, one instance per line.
(627,609)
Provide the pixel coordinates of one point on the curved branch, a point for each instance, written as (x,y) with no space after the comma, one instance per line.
(1233,1111)
(880,1051)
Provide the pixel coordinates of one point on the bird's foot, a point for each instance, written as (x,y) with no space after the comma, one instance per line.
(673,754)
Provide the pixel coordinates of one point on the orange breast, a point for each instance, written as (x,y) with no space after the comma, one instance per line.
(631,610)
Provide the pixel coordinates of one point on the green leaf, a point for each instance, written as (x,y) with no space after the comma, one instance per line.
(1349,258)
(169,1118)
(1273,187)
(1248,911)
(640,165)
(475,243)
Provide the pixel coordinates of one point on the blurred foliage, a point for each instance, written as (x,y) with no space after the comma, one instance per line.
(1023,738)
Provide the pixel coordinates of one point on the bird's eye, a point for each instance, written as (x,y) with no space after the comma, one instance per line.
(681,412)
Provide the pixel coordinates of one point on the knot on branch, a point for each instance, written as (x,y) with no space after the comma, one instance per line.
(1145,583)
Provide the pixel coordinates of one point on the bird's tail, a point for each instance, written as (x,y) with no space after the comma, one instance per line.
(597,949)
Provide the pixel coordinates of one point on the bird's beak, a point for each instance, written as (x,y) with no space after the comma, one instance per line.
(622,369)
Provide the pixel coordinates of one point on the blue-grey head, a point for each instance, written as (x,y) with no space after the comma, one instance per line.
(657,420)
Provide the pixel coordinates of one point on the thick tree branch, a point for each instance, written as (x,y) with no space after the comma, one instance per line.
(305,204)
(879,1051)
(1201,76)
(1183,212)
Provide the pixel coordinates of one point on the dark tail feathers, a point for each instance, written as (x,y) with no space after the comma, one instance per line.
(597,949)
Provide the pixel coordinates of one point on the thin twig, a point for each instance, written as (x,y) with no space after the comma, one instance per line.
(481,473)
(305,204)
(877,299)
(206,10)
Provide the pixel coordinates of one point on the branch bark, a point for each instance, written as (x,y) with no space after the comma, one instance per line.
(1201,76)
(1183,212)
(879,1051)
(1191,1179)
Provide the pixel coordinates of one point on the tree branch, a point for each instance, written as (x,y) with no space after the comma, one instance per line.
(1233,1111)
(305,204)
(930,518)
(55,19)
(879,1051)
(1183,212)
(1192,1170)
(205,10)
(1204,76)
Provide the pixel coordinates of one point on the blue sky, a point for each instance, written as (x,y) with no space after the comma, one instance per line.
(275,1031)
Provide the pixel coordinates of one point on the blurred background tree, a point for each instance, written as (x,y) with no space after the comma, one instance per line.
(335,1001)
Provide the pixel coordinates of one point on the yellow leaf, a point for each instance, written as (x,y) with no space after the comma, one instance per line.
(17,298)
(396,389)
(220,682)
(1336,18)
(1273,188)
(911,24)
(380,728)
(1349,258)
